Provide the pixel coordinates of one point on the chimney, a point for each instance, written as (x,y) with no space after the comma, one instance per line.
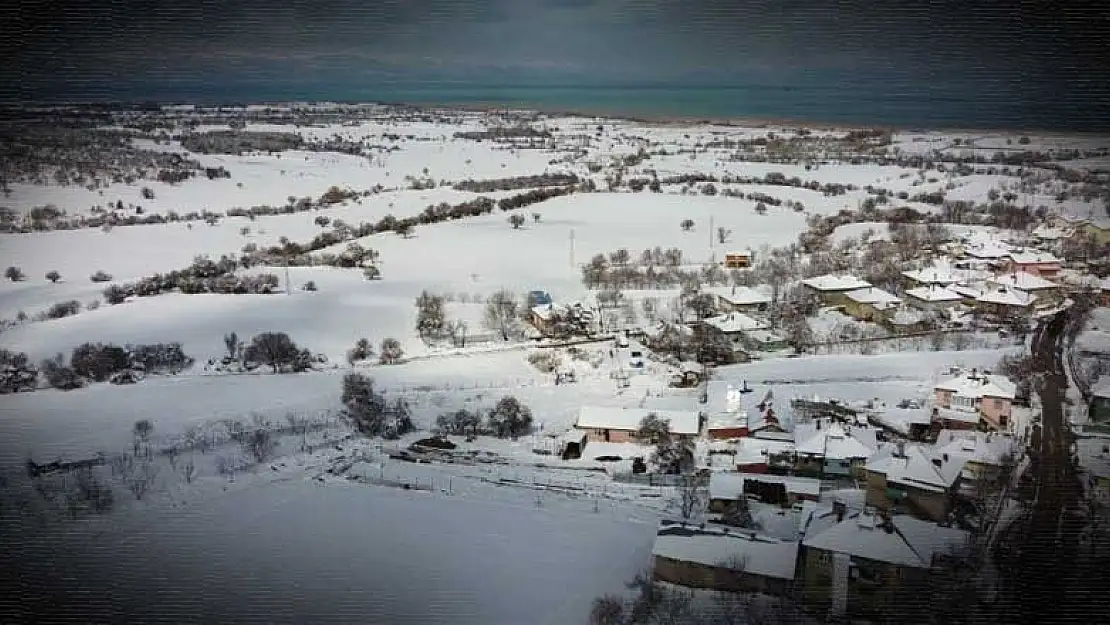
(945,457)
(937,463)
(901,450)
(839,509)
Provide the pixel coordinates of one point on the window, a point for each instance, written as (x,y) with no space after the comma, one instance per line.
(998,405)
(823,557)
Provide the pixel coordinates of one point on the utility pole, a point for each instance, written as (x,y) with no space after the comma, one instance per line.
(288,284)
(572,248)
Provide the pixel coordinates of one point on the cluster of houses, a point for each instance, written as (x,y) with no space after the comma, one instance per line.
(832,505)
(983,278)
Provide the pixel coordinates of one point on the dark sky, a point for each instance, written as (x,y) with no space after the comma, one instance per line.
(83,47)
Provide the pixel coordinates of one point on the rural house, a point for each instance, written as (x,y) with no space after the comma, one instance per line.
(620,425)
(726,488)
(764,455)
(828,450)
(744,333)
(1032,262)
(739,299)
(989,397)
(831,288)
(984,455)
(1047,293)
(724,559)
(547,318)
(871,304)
(909,480)
(724,411)
(858,562)
(1001,303)
(933,297)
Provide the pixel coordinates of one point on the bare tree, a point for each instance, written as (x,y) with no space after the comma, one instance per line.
(723,234)
(691,497)
(687,225)
(259,441)
(501,313)
(141,432)
(516,220)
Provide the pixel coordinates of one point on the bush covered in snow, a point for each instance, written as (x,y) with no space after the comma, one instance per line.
(510,418)
(370,413)
(17,374)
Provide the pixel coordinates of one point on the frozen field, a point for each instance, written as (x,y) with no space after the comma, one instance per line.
(274,545)
(297,552)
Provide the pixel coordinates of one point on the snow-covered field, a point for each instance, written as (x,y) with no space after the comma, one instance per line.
(304,552)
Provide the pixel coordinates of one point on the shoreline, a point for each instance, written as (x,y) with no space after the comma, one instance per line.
(601,113)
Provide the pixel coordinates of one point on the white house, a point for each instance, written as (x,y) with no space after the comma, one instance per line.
(620,425)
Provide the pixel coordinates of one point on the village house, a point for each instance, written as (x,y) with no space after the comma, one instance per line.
(724,559)
(909,480)
(871,304)
(989,397)
(725,416)
(1000,303)
(1104,292)
(726,488)
(829,450)
(739,299)
(858,563)
(1033,262)
(908,320)
(1097,228)
(621,425)
(744,333)
(549,318)
(831,288)
(984,455)
(943,272)
(989,250)
(764,455)
(1046,292)
(933,297)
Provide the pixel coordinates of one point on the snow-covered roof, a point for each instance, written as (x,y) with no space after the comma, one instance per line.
(916,468)
(1050,233)
(934,293)
(760,555)
(988,249)
(1023,281)
(753,450)
(960,416)
(763,336)
(730,485)
(909,542)
(831,441)
(1033,257)
(612,418)
(834,282)
(1004,296)
(977,447)
(733,322)
(739,295)
(977,384)
(548,311)
(722,398)
(875,296)
(1105,284)
(907,317)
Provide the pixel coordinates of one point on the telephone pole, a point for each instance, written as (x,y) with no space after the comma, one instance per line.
(572,248)
(288,284)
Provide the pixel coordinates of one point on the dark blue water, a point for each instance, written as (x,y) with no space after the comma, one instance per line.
(978,104)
